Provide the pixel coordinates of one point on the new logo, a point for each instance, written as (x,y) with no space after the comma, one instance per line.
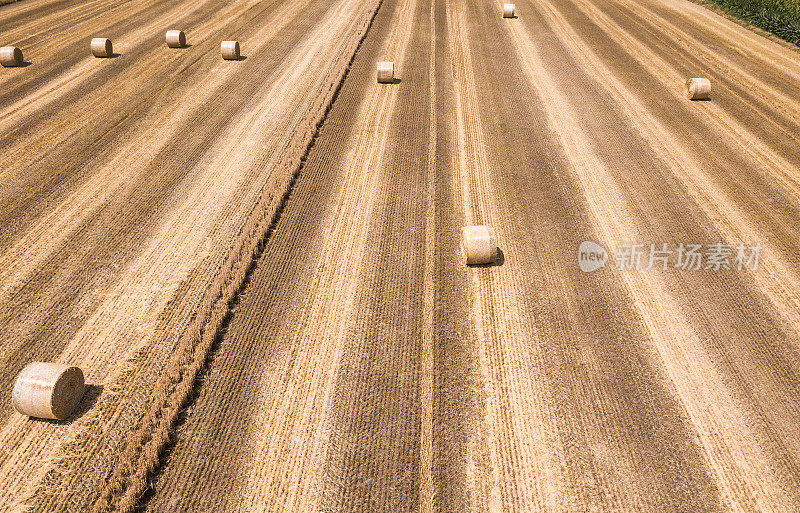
(591,256)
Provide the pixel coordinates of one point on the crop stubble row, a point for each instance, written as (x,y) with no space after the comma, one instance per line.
(762,358)
(550,388)
(116,257)
(675,206)
(288,415)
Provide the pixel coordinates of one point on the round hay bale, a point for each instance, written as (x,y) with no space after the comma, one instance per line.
(480,246)
(10,56)
(385,72)
(101,47)
(698,89)
(176,39)
(508,10)
(230,50)
(48,390)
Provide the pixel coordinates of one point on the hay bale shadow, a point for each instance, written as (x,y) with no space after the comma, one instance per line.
(90,396)
(500,260)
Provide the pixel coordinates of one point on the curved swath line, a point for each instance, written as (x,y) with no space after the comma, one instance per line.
(142,454)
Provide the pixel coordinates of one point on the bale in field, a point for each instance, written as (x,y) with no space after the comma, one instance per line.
(48,390)
(480,246)
(508,10)
(385,72)
(101,47)
(10,56)
(698,89)
(176,39)
(230,50)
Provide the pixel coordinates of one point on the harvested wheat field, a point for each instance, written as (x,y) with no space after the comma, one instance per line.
(257,262)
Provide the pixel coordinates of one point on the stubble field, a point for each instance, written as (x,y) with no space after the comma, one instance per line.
(257,262)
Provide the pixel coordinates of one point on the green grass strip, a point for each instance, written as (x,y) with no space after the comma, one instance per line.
(781,17)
